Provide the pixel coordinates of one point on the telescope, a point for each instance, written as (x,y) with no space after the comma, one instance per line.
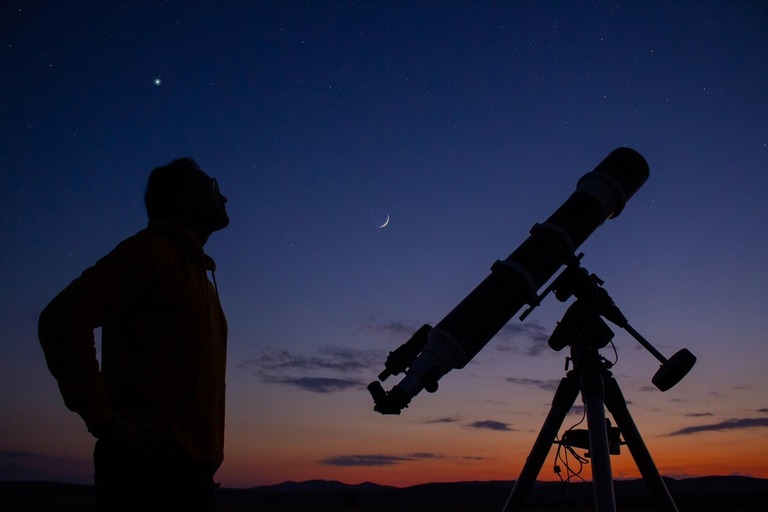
(513,282)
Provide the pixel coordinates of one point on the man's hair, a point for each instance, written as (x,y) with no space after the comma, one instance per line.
(163,184)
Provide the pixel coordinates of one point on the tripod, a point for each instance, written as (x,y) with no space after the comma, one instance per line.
(585,331)
(592,377)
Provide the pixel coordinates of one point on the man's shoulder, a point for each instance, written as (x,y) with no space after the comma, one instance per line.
(143,246)
(144,240)
(161,243)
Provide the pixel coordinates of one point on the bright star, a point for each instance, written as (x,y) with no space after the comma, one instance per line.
(158,81)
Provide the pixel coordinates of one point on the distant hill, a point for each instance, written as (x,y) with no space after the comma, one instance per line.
(715,493)
(320,485)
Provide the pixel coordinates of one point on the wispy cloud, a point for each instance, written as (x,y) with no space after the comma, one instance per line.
(528,339)
(548,384)
(394,330)
(732,424)
(379,460)
(451,419)
(327,371)
(315,384)
(699,414)
(491,425)
(331,357)
(365,460)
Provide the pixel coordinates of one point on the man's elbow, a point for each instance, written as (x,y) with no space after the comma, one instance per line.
(45,324)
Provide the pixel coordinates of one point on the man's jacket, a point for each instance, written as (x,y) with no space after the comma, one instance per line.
(163,339)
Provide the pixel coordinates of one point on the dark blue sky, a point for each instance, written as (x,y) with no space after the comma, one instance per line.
(465,123)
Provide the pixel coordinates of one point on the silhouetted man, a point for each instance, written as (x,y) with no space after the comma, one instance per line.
(156,404)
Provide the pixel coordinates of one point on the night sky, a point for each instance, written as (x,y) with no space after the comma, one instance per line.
(463,123)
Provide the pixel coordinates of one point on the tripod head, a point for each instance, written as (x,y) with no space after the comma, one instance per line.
(583,321)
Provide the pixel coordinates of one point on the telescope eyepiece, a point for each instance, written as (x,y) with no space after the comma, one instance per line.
(392,402)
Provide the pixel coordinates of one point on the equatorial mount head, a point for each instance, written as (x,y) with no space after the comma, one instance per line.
(581,325)
(583,322)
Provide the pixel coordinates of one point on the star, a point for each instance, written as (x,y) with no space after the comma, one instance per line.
(157,81)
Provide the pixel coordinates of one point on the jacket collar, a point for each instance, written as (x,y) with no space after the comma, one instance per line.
(183,239)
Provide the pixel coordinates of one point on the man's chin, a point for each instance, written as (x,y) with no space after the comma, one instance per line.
(215,221)
(222,222)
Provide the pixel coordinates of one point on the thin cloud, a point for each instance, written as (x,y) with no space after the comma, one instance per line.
(322,385)
(376,459)
(381,460)
(330,357)
(426,455)
(733,424)
(393,330)
(491,425)
(364,460)
(548,385)
(528,339)
(327,371)
(451,419)
(699,414)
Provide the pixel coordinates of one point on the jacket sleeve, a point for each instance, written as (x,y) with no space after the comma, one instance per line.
(66,325)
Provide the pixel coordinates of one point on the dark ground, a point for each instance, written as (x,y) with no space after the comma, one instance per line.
(732,494)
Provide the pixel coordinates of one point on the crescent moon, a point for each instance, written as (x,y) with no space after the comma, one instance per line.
(386,223)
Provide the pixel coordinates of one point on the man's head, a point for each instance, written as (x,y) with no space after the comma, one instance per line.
(182,192)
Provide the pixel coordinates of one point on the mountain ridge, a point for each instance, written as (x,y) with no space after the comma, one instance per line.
(699,494)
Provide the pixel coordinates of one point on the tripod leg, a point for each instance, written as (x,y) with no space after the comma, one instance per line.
(565,396)
(602,476)
(616,403)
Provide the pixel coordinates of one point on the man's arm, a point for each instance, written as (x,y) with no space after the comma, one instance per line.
(66,325)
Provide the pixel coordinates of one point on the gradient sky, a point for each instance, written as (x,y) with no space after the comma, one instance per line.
(465,123)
